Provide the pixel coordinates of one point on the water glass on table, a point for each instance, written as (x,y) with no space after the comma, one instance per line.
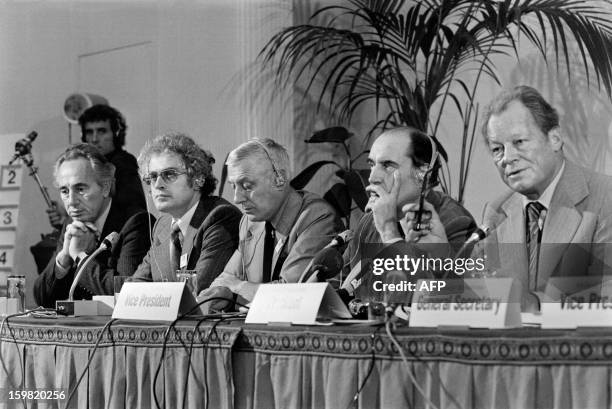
(191,278)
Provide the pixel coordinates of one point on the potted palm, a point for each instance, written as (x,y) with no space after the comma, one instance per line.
(415,60)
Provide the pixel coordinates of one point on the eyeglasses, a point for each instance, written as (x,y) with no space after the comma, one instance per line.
(168,176)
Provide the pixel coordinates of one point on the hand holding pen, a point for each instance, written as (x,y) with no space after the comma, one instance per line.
(431,229)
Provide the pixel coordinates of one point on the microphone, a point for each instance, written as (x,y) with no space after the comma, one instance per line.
(341,239)
(107,244)
(24,146)
(353,279)
(327,258)
(109,241)
(326,264)
(479,234)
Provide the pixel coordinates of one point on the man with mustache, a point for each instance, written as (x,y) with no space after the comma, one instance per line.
(556,219)
(399,160)
(86,183)
(196,230)
(282,229)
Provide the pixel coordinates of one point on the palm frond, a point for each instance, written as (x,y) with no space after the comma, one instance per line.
(408,56)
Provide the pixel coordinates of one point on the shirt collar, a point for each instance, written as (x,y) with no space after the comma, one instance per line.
(546,197)
(185,219)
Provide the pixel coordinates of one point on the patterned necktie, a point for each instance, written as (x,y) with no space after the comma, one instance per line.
(176,247)
(267,253)
(534,234)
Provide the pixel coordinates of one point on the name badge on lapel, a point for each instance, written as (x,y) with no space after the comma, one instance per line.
(183,261)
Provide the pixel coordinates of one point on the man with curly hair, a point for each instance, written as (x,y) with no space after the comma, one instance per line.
(105,128)
(196,230)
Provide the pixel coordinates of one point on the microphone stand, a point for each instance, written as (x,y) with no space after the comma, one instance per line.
(79,273)
(44,249)
(28,160)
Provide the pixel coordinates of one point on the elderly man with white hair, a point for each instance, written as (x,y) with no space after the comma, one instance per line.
(282,228)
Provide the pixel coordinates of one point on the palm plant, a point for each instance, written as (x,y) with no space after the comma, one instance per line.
(351,188)
(411,59)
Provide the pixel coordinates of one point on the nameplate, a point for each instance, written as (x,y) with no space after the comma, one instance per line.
(108,300)
(153,301)
(300,304)
(572,312)
(481,303)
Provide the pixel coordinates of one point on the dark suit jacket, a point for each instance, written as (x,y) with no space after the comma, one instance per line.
(128,187)
(457,221)
(210,241)
(458,225)
(133,226)
(576,237)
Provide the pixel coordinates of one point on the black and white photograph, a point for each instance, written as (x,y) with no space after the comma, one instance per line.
(340,204)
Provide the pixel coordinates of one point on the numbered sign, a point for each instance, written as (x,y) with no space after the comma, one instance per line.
(10,177)
(8,217)
(6,258)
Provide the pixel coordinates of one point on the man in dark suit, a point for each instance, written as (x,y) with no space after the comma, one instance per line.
(105,128)
(196,231)
(556,220)
(85,179)
(399,160)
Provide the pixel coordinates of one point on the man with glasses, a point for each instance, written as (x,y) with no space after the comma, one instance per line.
(196,230)
(86,183)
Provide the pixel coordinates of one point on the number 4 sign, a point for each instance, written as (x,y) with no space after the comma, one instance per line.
(6,258)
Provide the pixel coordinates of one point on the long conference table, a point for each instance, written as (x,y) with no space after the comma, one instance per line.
(233,365)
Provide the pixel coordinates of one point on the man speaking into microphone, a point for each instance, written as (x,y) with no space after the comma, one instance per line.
(86,183)
(555,221)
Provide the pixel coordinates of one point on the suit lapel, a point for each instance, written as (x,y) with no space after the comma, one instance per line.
(205,206)
(114,221)
(161,252)
(253,251)
(286,219)
(511,236)
(194,225)
(562,220)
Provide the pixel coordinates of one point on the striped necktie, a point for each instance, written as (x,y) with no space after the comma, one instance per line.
(534,236)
